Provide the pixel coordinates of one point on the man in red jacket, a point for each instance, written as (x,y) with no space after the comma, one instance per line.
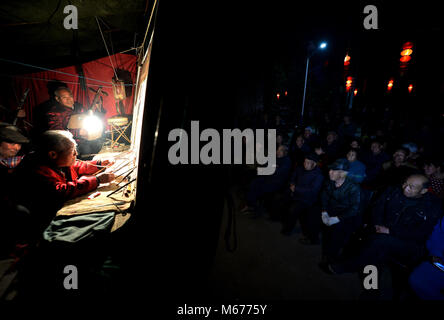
(57,176)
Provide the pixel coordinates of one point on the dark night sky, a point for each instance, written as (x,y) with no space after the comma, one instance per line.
(238,40)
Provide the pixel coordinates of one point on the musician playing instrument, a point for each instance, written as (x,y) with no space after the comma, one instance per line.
(58,118)
(55,175)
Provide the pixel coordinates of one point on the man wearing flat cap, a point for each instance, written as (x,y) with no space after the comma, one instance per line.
(11,141)
(340,200)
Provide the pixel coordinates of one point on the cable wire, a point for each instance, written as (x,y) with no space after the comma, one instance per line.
(149,23)
(51,70)
(50,80)
(106,47)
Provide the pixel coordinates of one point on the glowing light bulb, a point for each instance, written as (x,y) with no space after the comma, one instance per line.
(93,125)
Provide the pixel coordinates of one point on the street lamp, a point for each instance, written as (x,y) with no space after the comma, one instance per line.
(322,46)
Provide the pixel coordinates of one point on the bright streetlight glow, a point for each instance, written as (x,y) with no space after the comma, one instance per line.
(323,45)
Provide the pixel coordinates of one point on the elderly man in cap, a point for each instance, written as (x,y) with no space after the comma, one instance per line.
(305,185)
(340,201)
(11,141)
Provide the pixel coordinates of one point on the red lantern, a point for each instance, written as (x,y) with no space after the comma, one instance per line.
(347,60)
(348,83)
(390,85)
(410,88)
(405,59)
(407,45)
(406,52)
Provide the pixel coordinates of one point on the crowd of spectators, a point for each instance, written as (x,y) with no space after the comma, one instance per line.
(368,198)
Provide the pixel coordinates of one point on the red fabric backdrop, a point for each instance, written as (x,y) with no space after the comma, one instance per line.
(99,69)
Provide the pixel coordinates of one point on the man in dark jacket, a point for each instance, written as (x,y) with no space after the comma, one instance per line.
(340,207)
(331,146)
(373,162)
(12,216)
(427,280)
(396,171)
(263,185)
(305,185)
(403,219)
(298,150)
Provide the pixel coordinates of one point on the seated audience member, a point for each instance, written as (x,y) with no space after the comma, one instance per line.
(299,150)
(305,185)
(355,144)
(432,169)
(373,162)
(330,146)
(323,159)
(347,128)
(12,215)
(356,171)
(327,124)
(413,156)
(310,137)
(340,200)
(263,185)
(56,174)
(427,280)
(403,219)
(396,171)
(279,124)
(280,140)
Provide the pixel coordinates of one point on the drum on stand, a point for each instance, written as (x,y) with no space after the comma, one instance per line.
(118,125)
(118,121)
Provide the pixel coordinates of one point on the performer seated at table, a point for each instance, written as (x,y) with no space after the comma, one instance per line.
(58,117)
(54,175)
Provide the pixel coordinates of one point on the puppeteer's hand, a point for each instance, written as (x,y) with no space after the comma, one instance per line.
(105,177)
(107,162)
(292,187)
